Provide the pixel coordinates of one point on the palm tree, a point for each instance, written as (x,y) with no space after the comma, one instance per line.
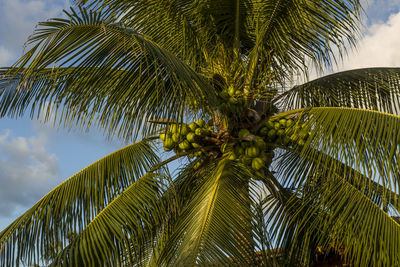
(270,173)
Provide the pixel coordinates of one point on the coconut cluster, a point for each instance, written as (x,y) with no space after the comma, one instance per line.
(232,101)
(253,147)
(185,137)
(288,132)
(251,150)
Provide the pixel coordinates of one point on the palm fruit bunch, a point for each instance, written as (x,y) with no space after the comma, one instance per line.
(250,150)
(285,131)
(232,102)
(184,137)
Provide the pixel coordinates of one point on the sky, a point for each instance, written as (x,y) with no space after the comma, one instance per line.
(35,157)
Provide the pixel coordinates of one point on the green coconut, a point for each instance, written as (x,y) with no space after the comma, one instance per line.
(246,160)
(280,132)
(270,124)
(260,143)
(286,140)
(184,129)
(169,143)
(257,164)
(199,131)
(289,122)
(238,150)
(263,157)
(232,156)
(264,131)
(191,137)
(193,126)
(283,122)
(195,145)
(201,123)
(167,148)
(173,128)
(162,136)
(252,151)
(243,133)
(185,145)
(176,137)
(277,125)
(245,144)
(271,134)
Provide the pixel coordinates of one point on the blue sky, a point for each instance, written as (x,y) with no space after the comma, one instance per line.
(35,157)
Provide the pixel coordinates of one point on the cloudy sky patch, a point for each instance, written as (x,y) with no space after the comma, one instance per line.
(27,171)
(379,46)
(18,19)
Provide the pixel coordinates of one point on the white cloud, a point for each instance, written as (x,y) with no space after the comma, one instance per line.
(380,47)
(27,171)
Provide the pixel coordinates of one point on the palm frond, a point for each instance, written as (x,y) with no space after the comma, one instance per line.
(126,225)
(294,30)
(294,239)
(353,224)
(266,252)
(175,20)
(213,227)
(105,74)
(364,140)
(345,175)
(72,205)
(371,88)
(292,163)
(192,28)
(300,30)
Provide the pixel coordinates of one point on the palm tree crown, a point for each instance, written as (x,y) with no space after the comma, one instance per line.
(270,173)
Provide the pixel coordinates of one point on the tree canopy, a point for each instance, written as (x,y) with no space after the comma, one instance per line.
(270,173)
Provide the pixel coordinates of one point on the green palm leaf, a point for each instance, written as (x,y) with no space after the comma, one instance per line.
(296,30)
(354,224)
(372,88)
(345,170)
(212,227)
(107,75)
(72,205)
(365,140)
(293,163)
(266,251)
(127,224)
